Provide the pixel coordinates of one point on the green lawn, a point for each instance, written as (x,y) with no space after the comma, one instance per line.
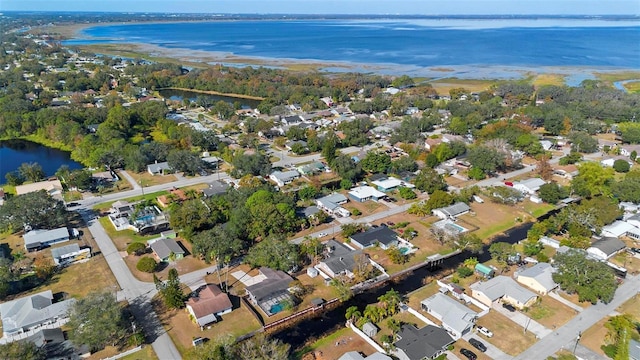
(537,210)
(488,232)
(146,353)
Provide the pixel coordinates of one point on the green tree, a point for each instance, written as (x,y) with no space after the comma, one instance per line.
(630,132)
(621,166)
(476,173)
(146,264)
(37,209)
(429,180)
(352,313)
(487,159)
(14,178)
(583,142)
(275,253)
(171,291)
(396,256)
(592,180)
(307,192)
(22,350)
(620,330)
(96,321)
(501,251)
(405,163)
(376,162)
(31,171)
(464,271)
(136,248)
(591,280)
(80,179)
(552,193)
(406,193)
(216,244)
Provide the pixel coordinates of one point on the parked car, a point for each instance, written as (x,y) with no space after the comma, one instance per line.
(468,354)
(322,234)
(484,331)
(73,204)
(508,307)
(390,223)
(477,344)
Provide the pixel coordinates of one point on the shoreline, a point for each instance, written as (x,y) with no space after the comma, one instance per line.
(569,75)
(212,92)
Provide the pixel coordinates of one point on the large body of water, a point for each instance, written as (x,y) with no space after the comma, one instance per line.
(406,44)
(15,152)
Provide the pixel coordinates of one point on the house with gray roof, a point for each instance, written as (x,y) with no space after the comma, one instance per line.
(311,168)
(456,318)
(505,289)
(605,248)
(158,168)
(529,186)
(539,277)
(382,236)
(26,313)
(283,178)
(354,355)
(428,342)
(216,187)
(166,249)
(270,293)
(68,254)
(332,204)
(338,259)
(39,239)
(452,211)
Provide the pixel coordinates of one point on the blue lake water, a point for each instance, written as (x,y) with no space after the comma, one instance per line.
(15,152)
(407,43)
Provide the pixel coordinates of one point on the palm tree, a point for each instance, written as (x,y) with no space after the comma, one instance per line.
(373,313)
(471,262)
(353,313)
(390,301)
(394,326)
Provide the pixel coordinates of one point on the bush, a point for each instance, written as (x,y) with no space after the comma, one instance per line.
(464,272)
(136,248)
(542,257)
(407,193)
(621,166)
(355,212)
(609,350)
(146,264)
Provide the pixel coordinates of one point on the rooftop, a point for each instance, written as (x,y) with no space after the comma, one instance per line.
(36,237)
(209,300)
(364,192)
(500,286)
(422,343)
(542,273)
(453,313)
(381,234)
(163,247)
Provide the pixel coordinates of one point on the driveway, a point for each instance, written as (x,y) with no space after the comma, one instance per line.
(523,320)
(136,292)
(492,351)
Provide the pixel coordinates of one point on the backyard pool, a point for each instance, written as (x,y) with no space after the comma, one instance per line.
(276,308)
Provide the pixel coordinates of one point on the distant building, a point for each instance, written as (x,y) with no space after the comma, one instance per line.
(391,183)
(215,188)
(51,187)
(158,168)
(452,211)
(284,178)
(529,186)
(332,204)
(364,193)
(36,240)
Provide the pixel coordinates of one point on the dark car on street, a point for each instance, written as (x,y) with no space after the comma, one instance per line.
(508,307)
(477,344)
(468,354)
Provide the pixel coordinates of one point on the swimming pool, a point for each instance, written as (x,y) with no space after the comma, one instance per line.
(404,250)
(276,308)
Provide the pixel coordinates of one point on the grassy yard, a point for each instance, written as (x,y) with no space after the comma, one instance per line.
(492,219)
(123,238)
(631,307)
(550,312)
(424,292)
(78,280)
(507,335)
(182,330)
(146,353)
(145,179)
(594,337)
(537,210)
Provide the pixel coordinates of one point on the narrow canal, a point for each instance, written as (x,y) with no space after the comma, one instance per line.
(331,320)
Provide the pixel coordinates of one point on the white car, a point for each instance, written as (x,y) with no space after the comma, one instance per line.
(484,331)
(322,234)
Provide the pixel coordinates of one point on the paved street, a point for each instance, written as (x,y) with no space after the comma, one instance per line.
(133,290)
(567,334)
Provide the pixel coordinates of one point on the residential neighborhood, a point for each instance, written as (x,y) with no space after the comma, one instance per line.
(370,217)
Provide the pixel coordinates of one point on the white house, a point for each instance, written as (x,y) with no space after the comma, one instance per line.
(529,186)
(538,277)
(35,240)
(605,248)
(502,288)
(452,211)
(456,318)
(364,193)
(33,311)
(284,178)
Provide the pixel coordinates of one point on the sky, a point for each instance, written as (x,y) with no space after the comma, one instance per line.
(401,7)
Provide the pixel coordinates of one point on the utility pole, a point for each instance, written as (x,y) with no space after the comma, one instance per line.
(577,341)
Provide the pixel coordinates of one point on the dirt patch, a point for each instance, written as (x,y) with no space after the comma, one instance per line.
(335,345)
(550,312)
(507,335)
(145,179)
(594,337)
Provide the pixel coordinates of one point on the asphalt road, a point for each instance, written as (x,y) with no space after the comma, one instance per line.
(565,336)
(133,290)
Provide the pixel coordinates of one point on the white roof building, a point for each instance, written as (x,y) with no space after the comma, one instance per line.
(364,193)
(529,186)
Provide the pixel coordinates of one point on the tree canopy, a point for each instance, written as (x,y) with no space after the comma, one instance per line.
(591,280)
(96,321)
(36,209)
